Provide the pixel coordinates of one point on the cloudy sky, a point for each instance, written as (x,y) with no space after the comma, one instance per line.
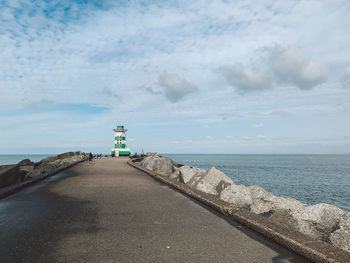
(183,76)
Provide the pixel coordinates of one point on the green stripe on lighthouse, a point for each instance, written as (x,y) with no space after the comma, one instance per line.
(124,153)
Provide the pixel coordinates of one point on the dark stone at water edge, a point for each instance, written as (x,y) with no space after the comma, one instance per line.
(9,175)
(25,162)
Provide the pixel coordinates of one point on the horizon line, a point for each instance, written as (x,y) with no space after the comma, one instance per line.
(311,153)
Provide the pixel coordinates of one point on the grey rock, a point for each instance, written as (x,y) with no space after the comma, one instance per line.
(148,162)
(213,181)
(164,165)
(26,169)
(186,173)
(9,175)
(35,173)
(195,179)
(262,200)
(258,199)
(49,159)
(288,204)
(318,221)
(341,237)
(159,164)
(238,195)
(47,167)
(25,162)
(175,174)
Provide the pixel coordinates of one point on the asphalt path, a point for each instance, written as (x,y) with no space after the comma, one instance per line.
(108,211)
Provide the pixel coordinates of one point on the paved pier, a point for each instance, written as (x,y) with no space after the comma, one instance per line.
(108,211)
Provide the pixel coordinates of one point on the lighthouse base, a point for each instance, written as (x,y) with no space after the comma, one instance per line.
(120,153)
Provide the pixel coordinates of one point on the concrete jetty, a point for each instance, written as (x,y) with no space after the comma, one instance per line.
(108,211)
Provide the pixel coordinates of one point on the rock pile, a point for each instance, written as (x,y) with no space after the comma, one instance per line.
(52,164)
(322,221)
(26,169)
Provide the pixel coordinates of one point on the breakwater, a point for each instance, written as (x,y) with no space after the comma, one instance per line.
(309,178)
(305,229)
(17,176)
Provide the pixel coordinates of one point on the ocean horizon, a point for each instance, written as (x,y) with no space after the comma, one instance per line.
(6,159)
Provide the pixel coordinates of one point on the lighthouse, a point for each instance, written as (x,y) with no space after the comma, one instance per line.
(120,148)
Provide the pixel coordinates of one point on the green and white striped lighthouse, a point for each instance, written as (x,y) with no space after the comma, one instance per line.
(120,148)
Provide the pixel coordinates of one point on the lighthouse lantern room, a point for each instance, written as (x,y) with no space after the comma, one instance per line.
(120,148)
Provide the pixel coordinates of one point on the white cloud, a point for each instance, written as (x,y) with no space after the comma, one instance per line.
(244,79)
(281,66)
(175,88)
(209,137)
(291,67)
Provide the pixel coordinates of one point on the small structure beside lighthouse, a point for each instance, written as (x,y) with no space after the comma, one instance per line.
(120,148)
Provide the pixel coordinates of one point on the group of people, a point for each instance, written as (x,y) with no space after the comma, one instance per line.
(92,156)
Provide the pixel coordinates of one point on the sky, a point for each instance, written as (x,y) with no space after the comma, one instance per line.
(183,76)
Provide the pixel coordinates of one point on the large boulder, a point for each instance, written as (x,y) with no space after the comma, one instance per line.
(285,203)
(238,195)
(282,211)
(9,175)
(49,159)
(262,201)
(164,166)
(159,164)
(213,181)
(196,178)
(24,169)
(148,162)
(318,221)
(258,199)
(26,166)
(25,162)
(186,173)
(43,168)
(341,236)
(175,174)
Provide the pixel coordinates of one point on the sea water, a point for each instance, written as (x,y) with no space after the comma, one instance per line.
(15,158)
(309,178)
